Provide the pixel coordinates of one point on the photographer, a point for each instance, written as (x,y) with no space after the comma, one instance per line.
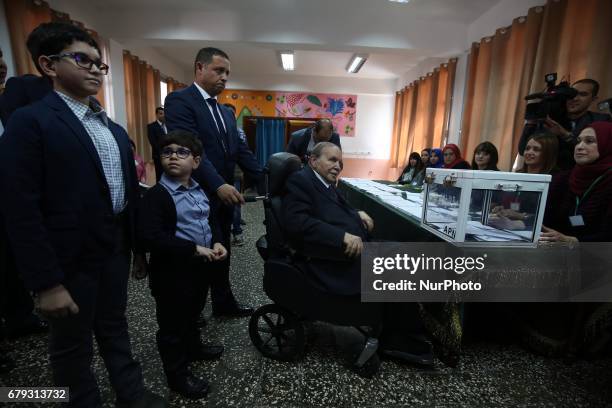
(577,118)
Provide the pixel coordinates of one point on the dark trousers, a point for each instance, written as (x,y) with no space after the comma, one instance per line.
(99,288)
(236,226)
(220,287)
(180,296)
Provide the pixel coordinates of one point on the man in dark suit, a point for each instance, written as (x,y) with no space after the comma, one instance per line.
(155,131)
(303,141)
(69,189)
(316,217)
(22,91)
(196,110)
(314,214)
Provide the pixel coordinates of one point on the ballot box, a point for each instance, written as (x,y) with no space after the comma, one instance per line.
(484,208)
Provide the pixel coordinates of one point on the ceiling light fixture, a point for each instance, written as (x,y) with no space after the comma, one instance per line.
(356,63)
(287,60)
(400,1)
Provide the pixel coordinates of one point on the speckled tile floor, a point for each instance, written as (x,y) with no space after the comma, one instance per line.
(489,375)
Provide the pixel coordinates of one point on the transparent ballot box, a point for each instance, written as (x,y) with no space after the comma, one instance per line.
(471,207)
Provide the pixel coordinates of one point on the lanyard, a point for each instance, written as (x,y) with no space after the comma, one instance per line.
(588,190)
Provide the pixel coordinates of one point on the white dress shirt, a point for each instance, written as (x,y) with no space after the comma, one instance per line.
(206,96)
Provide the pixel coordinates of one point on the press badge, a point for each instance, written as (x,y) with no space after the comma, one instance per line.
(576,221)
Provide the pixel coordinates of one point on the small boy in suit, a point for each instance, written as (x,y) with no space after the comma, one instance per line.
(179,226)
(68,187)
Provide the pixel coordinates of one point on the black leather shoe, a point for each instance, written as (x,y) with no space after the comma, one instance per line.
(237,311)
(423,360)
(190,386)
(148,400)
(411,350)
(206,353)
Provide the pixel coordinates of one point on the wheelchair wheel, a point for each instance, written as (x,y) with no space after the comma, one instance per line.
(277,333)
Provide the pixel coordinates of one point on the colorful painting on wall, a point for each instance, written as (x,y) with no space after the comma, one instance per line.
(249,103)
(341,109)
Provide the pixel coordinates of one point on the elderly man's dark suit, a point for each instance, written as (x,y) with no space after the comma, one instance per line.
(298,144)
(187,110)
(315,215)
(62,230)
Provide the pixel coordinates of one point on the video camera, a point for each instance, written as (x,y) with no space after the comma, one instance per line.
(550,103)
(605,105)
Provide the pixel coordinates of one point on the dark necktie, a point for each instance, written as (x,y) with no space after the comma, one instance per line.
(213,104)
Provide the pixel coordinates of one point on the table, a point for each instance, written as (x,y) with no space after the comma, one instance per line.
(391,223)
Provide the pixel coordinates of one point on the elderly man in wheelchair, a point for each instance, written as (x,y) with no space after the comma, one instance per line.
(312,249)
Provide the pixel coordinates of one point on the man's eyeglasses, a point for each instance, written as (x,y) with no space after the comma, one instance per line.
(181,153)
(83,61)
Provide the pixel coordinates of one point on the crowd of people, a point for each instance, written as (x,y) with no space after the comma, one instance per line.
(578,209)
(74,220)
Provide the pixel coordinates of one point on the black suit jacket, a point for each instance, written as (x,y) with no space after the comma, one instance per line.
(22,91)
(186,109)
(315,216)
(157,231)
(298,144)
(154,134)
(55,198)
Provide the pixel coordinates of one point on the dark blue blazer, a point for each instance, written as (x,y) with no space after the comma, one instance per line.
(298,144)
(55,198)
(21,91)
(312,216)
(186,109)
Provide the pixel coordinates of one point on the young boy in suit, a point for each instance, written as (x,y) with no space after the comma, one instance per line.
(180,227)
(68,187)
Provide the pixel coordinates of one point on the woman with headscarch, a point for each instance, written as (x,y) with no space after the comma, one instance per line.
(453,159)
(579,209)
(436,159)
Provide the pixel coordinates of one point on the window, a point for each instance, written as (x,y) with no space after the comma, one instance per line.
(163,87)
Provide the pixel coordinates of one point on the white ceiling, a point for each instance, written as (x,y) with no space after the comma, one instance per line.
(323,33)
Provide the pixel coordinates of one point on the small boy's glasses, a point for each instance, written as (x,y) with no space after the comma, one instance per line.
(83,61)
(181,153)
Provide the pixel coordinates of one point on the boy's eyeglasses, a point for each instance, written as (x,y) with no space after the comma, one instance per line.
(83,61)
(181,153)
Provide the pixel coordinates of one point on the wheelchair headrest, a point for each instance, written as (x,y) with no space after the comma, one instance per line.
(280,166)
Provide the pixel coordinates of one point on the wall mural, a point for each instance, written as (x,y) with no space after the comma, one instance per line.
(249,103)
(341,109)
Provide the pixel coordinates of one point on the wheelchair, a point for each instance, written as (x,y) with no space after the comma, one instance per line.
(277,329)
